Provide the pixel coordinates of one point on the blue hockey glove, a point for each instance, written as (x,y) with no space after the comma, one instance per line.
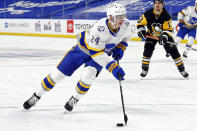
(180,25)
(117,71)
(118,51)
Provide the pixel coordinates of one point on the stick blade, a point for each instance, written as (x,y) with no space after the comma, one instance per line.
(125,119)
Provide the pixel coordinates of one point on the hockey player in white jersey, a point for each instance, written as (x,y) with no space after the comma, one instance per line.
(187,24)
(101,46)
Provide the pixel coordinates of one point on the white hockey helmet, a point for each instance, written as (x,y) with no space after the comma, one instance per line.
(115,9)
(196,1)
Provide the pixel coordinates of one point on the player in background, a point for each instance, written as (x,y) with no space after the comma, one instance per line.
(159,29)
(187,24)
(101,46)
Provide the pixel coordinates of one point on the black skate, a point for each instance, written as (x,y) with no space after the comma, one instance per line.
(69,105)
(167,54)
(186,51)
(184,55)
(184,74)
(31,101)
(143,73)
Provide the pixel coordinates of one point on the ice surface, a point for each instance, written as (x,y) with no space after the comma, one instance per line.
(163,101)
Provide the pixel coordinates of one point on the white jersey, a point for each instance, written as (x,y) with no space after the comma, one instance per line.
(189,16)
(101,38)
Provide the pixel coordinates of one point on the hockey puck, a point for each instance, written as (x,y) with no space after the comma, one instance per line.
(119,124)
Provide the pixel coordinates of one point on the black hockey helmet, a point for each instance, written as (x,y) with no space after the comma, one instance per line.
(159,1)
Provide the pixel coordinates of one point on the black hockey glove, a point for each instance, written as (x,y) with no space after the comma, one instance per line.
(142,33)
(163,38)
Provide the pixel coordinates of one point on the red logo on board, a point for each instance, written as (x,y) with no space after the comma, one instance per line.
(70,26)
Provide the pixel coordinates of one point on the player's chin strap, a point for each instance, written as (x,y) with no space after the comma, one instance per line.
(113,22)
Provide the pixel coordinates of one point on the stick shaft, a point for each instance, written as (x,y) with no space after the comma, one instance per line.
(122,99)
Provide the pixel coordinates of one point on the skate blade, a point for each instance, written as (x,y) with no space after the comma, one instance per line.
(24,110)
(66,112)
(142,78)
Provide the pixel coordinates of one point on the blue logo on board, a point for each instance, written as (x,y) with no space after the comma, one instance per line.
(6,24)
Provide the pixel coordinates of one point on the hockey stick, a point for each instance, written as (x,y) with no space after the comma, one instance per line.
(122,99)
(172,43)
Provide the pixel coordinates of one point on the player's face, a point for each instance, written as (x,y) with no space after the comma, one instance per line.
(119,20)
(158,6)
(196,7)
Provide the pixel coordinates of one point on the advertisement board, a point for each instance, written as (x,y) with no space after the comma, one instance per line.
(55,27)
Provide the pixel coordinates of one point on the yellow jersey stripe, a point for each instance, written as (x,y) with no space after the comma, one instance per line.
(97,54)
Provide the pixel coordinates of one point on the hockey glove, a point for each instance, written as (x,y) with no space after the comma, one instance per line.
(163,38)
(180,25)
(142,33)
(118,51)
(117,71)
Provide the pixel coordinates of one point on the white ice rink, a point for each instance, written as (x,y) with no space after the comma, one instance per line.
(163,101)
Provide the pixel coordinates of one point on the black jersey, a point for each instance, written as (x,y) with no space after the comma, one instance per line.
(155,24)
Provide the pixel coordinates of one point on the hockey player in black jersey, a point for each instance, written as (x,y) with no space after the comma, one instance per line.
(159,29)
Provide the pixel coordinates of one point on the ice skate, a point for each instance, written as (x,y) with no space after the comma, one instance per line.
(185,52)
(184,74)
(31,101)
(167,54)
(69,105)
(143,73)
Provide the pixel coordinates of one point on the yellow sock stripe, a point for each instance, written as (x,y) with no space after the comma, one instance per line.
(145,62)
(146,57)
(143,59)
(83,85)
(82,92)
(177,59)
(178,64)
(45,87)
(50,81)
(188,44)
